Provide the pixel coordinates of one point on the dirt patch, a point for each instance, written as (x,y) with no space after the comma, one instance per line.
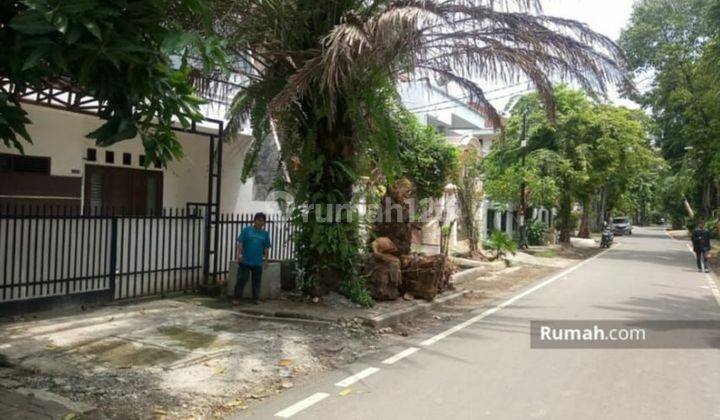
(483,289)
(121,354)
(187,338)
(197,362)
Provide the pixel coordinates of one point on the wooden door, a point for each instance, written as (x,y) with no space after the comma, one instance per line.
(130,191)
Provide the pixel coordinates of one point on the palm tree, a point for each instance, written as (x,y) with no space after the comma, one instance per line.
(321,77)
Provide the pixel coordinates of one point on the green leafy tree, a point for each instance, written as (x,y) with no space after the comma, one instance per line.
(426,158)
(118,51)
(677,41)
(429,162)
(557,152)
(592,152)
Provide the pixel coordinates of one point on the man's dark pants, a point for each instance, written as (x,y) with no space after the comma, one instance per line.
(701,257)
(245,271)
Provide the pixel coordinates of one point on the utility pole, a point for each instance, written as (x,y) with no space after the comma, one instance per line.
(523,144)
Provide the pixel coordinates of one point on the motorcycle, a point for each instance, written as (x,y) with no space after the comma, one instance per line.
(607,238)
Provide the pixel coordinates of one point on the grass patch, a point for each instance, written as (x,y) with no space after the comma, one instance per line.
(548,253)
(188,339)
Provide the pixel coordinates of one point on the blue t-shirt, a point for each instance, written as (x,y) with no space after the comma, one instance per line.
(254,243)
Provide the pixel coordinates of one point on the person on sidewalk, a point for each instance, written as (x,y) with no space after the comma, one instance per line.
(251,252)
(701,246)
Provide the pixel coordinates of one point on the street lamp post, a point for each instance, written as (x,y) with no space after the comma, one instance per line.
(521,211)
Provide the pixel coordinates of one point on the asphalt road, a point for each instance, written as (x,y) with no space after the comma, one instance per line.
(483,366)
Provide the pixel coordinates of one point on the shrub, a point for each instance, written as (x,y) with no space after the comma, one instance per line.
(355,290)
(712,226)
(501,243)
(535,232)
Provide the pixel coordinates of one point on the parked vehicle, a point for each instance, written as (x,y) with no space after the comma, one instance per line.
(622,226)
(607,238)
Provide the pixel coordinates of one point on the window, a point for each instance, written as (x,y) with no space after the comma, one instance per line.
(27,164)
(142,160)
(109,157)
(127,159)
(91,155)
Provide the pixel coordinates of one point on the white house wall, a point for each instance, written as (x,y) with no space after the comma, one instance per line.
(430,103)
(61,136)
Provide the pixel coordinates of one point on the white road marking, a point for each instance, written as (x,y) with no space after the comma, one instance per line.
(434,339)
(301,405)
(713,287)
(711,281)
(709,277)
(356,377)
(399,356)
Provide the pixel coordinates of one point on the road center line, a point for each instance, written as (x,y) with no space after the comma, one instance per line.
(356,377)
(399,356)
(434,339)
(301,405)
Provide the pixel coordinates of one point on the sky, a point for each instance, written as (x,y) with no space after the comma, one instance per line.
(607,17)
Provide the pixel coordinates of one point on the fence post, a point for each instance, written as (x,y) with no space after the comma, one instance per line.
(113,255)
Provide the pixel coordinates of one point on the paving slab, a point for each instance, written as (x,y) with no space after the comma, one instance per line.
(36,404)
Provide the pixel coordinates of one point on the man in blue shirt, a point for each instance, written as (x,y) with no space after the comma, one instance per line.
(251,252)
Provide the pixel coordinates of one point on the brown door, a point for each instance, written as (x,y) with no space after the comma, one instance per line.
(131,191)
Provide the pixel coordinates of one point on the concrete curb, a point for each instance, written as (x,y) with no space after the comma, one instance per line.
(471,274)
(394,317)
(282,316)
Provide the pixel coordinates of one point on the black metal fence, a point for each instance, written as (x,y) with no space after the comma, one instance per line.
(50,253)
(230,226)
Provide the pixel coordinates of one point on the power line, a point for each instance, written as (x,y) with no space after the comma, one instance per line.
(489,99)
(462,98)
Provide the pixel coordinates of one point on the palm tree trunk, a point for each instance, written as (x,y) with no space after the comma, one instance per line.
(327,241)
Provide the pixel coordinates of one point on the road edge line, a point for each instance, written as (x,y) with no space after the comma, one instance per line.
(357,377)
(301,405)
(710,277)
(400,355)
(434,339)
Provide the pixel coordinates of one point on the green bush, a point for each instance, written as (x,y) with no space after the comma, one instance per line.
(355,290)
(535,232)
(501,244)
(712,227)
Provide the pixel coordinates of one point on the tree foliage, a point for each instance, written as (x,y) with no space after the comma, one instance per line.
(127,54)
(676,41)
(426,158)
(591,151)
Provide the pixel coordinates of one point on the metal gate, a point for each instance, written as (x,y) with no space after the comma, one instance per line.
(56,255)
(53,255)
